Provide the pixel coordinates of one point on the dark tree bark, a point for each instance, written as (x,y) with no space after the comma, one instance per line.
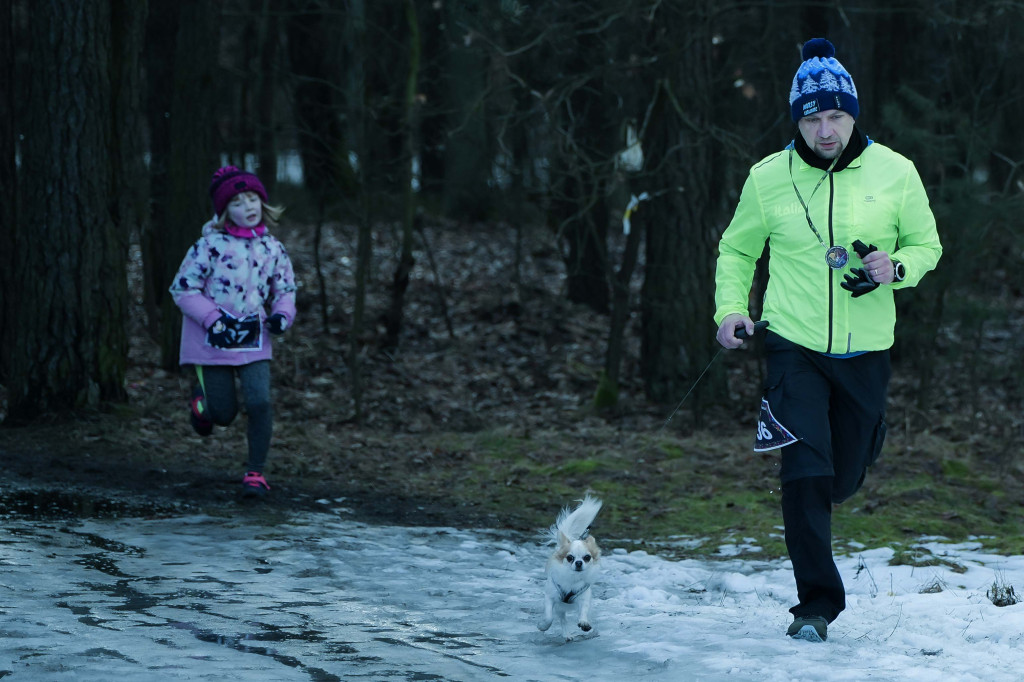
(314,53)
(608,388)
(8,188)
(683,155)
(318,94)
(71,293)
(410,136)
(579,204)
(251,70)
(161,37)
(433,119)
(131,177)
(468,158)
(663,360)
(588,125)
(356,34)
(266,89)
(191,161)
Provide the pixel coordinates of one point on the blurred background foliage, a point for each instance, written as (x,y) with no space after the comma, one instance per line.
(499,117)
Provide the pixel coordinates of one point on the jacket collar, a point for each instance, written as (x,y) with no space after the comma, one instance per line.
(856,146)
(245,232)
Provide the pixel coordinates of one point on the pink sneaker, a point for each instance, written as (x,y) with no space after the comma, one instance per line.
(254,485)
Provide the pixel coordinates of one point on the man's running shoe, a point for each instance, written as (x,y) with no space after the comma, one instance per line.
(197,413)
(809,629)
(254,485)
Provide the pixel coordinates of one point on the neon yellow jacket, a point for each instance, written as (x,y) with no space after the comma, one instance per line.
(878,198)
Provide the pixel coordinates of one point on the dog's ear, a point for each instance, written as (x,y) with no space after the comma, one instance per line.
(563,547)
(592,547)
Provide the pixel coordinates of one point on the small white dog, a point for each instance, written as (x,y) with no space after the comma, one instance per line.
(571,570)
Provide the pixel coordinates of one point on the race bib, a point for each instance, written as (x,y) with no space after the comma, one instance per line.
(238,334)
(771,435)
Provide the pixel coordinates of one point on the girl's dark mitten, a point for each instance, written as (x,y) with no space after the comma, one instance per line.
(277,323)
(219,333)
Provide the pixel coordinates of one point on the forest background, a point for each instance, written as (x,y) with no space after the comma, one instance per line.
(480,336)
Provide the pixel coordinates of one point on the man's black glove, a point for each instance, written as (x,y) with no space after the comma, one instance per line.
(277,323)
(861,249)
(861,284)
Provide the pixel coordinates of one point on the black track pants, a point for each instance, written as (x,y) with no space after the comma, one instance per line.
(836,408)
(807,514)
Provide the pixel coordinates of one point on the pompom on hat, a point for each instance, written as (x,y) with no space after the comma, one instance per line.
(821,83)
(229,181)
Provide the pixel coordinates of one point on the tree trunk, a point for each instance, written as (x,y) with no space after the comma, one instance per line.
(131,177)
(321,280)
(357,82)
(266,87)
(591,147)
(678,300)
(8,189)
(405,258)
(363,255)
(467,168)
(587,266)
(312,50)
(161,37)
(251,62)
(190,161)
(72,297)
(663,352)
(608,388)
(433,119)
(587,144)
(579,205)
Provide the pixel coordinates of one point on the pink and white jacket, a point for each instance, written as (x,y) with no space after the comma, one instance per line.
(241,274)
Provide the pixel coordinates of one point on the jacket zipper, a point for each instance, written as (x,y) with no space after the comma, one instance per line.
(831,279)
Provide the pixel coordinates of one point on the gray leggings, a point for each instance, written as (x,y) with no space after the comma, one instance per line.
(218,384)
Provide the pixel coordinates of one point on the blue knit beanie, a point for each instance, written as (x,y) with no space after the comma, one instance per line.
(821,83)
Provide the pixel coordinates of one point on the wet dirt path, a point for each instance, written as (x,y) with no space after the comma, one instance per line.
(267,597)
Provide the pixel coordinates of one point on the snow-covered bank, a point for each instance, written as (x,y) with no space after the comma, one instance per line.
(322,598)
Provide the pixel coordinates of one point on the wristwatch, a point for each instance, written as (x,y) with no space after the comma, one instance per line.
(899,273)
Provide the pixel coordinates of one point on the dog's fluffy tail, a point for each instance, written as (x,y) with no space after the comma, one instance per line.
(573,524)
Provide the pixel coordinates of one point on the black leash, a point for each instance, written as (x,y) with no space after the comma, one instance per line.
(741,333)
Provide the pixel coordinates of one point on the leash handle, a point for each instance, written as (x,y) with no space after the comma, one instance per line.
(741,331)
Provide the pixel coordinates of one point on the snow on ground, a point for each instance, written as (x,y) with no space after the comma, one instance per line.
(321,598)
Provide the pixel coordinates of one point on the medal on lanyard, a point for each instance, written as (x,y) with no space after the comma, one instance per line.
(837,256)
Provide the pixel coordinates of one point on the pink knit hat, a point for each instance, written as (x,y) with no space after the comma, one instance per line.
(229,181)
